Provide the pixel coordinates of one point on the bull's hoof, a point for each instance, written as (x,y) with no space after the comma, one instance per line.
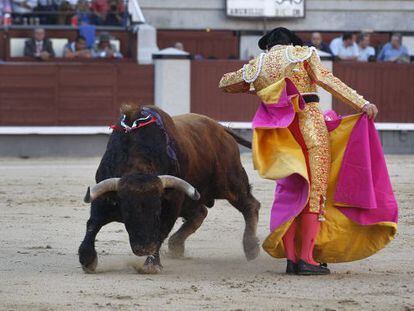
(151,266)
(90,268)
(150,269)
(88,258)
(251,248)
(175,248)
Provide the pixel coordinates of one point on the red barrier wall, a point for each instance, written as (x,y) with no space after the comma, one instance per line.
(206,98)
(389,86)
(71,93)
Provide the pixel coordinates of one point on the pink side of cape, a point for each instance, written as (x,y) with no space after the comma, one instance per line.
(363,182)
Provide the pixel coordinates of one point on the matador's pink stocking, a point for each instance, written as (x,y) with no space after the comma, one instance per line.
(289,242)
(310,226)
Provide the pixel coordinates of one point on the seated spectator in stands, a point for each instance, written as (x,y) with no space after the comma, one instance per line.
(67,10)
(179,46)
(83,15)
(338,42)
(366,52)
(5,11)
(104,48)
(100,8)
(77,49)
(348,50)
(114,17)
(394,51)
(23,11)
(317,42)
(39,47)
(46,11)
(116,13)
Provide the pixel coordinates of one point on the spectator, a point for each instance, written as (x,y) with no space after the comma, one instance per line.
(104,48)
(39,47)
(179,46)
(83,15)
(114,17)
(45,9)
(394,51)
(338,42)
(5,10)
(67,10)
(317,42)
(100,8)
(23,11)
(89,33)
(77,49)
(348,50)
(366,52)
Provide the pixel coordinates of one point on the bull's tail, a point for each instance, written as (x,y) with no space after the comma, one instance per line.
(240,140)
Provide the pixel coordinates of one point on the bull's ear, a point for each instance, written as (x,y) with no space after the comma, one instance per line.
(174,182)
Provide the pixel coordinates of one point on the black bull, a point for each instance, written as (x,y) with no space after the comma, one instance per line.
(133,187)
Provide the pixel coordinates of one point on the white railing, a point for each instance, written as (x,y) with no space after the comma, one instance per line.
(135,11)
(96,130)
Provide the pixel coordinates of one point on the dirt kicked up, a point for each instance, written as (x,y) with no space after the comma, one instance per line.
(42,222)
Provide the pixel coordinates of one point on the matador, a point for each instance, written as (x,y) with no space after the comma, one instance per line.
(321,211)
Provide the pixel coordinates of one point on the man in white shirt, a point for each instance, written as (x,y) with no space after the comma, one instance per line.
(337,43)
(348,50)
(366,52)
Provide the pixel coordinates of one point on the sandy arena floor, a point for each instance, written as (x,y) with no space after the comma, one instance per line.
(42,222)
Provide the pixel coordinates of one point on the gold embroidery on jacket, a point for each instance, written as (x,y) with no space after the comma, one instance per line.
(306,75)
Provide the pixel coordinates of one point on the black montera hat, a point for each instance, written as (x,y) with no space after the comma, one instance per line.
(279,35)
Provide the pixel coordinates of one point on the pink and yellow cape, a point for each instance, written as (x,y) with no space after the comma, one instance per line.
(361,210)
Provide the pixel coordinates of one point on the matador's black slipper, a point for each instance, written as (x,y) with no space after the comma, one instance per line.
(291,267)
(305,268)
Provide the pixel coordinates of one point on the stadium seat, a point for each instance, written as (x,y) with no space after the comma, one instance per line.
(59,45)
(17,47)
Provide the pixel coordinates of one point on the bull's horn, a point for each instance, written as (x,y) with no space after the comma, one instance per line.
(107,185)
(169,181)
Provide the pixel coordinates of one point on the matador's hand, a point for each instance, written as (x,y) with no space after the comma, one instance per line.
(371,110)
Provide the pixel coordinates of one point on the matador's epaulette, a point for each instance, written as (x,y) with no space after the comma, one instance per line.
(297,54)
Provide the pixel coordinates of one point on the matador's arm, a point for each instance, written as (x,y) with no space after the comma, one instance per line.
(235,82)
(324,78)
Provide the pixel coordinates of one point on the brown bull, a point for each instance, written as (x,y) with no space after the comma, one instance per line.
(152,161)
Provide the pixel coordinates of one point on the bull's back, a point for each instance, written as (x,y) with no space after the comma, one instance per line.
(206,143)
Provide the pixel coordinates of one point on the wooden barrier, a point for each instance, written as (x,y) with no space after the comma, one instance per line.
(71,93)
(207,99)
(387,85)
(90,93)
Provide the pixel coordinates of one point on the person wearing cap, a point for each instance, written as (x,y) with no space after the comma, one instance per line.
(291,144)
(104,48)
